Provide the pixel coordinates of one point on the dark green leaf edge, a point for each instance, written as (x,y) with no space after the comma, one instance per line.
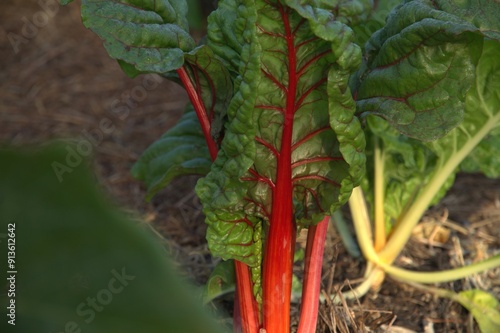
(434,105)
(182,150)
(152,37)
(222,187)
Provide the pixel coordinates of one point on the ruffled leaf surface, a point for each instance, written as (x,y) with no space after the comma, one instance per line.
(418,70)
(483,14)
(411,165)
(230,223)
(379,11)
(294,62)
(150,35)
(181,150)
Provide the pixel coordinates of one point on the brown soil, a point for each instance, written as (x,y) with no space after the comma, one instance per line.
(58,82)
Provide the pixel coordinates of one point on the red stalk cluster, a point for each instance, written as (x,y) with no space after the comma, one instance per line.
(280,244)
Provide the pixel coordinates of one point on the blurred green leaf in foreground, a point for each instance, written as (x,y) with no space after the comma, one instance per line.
(79,266)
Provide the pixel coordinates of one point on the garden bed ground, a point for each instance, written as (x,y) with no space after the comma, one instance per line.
(57,81)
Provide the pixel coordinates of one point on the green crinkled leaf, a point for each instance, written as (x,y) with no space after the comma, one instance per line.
(344,11)
(230,225)
(325,26)
(418,70)
(348,130)
(364,29)
(181,150)
(411,166)
(81,265)
(151,35)
(484,307)
(226,28)
(341,105)
(483,14)
(301,87)
(482,117)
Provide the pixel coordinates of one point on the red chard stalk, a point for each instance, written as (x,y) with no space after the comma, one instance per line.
(279,142)
(274,128)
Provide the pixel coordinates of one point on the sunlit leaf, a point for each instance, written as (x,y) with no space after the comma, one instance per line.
(484,307)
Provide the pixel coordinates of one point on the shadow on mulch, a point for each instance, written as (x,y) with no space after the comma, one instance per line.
(57,81)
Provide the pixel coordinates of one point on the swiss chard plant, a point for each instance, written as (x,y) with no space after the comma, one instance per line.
(405,176)
(283,102)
